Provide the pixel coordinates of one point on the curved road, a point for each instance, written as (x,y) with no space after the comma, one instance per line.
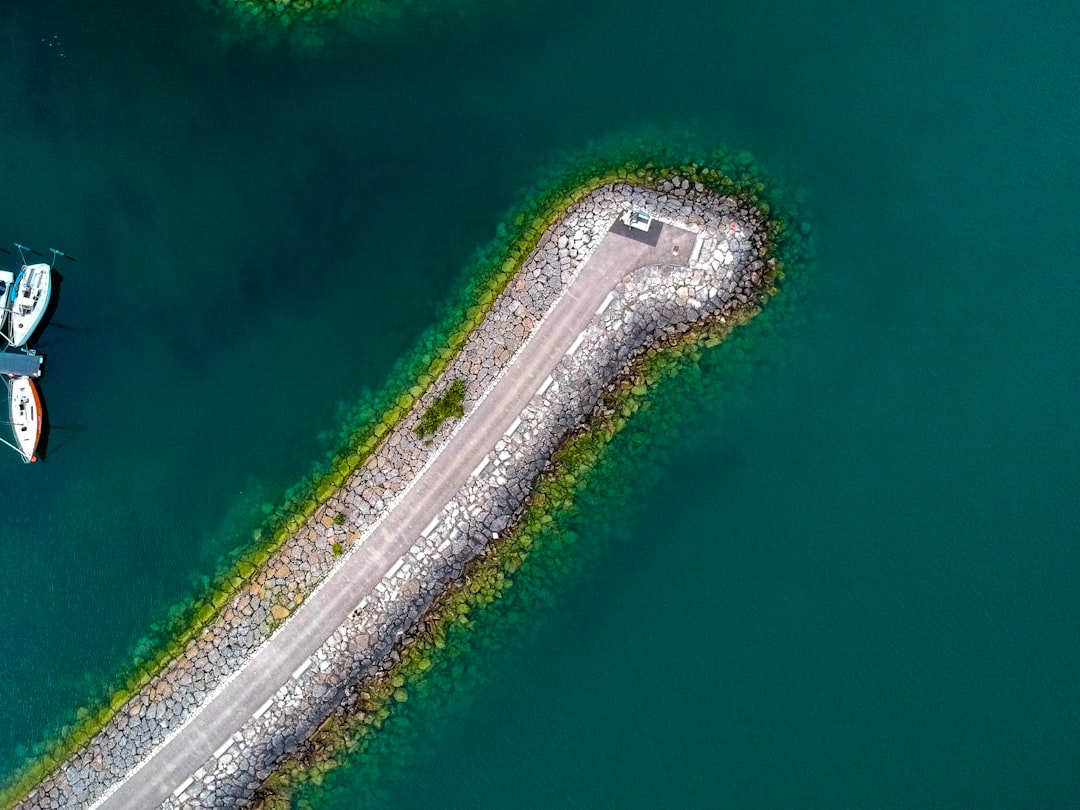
(156,778)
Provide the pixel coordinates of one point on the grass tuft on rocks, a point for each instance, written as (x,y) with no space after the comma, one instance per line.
(450,405)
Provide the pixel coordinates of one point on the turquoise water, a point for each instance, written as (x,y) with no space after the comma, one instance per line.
(852,584)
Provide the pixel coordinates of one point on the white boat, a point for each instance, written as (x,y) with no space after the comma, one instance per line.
(29,298)
(7,282)
(25,406)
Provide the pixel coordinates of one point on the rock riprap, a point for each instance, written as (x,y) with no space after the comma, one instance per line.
(709,259)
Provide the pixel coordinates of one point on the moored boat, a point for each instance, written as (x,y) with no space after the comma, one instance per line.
(25,405)
(29,298)
(7,282)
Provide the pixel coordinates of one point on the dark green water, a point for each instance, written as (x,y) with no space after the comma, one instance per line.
(854,585)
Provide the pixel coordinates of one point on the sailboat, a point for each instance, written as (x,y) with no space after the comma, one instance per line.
(29,298)
(25,408)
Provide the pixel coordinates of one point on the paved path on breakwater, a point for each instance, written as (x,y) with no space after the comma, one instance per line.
(157,777)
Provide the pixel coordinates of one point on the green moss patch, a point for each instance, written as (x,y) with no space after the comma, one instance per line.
(448,406)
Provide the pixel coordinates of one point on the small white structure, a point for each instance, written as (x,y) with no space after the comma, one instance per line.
(639,220)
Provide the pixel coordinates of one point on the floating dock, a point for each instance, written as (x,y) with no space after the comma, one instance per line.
(20,364)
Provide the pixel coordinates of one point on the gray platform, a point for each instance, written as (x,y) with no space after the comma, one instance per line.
(649,237)
(19,364)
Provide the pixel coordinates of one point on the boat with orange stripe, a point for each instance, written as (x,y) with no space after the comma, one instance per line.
(24,404)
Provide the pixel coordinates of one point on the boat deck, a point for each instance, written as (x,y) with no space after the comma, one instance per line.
(18,364)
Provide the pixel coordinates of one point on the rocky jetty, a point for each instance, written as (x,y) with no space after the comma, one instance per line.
(725,270)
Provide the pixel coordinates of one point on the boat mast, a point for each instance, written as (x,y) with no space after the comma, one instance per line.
(22,255)
(56,254)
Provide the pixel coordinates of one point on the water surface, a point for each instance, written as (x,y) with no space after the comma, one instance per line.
(853,585)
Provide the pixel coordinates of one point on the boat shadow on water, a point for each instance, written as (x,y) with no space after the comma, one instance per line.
(63,436)
(57,333)
(46,429)
(35,342)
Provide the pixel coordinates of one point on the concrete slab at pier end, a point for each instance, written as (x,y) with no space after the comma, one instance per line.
(649,237)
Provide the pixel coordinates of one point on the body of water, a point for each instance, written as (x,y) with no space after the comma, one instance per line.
(852,584)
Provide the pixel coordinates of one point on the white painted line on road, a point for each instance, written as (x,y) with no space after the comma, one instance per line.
(445,543)
(480,467)
(574,346)
(300,670)
(259,712)
(430,526)
(545,386)
(183,786)
(225,747)
(396,567)
(513,426)
(610,297)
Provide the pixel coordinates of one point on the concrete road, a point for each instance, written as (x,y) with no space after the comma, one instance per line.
(616,255)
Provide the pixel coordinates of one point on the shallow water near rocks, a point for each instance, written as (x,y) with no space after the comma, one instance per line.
(852,585)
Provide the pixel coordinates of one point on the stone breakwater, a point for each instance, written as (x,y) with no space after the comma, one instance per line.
(650,304)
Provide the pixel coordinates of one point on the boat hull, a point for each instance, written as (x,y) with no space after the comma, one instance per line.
(25,405)
(29,299)
(7,286)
